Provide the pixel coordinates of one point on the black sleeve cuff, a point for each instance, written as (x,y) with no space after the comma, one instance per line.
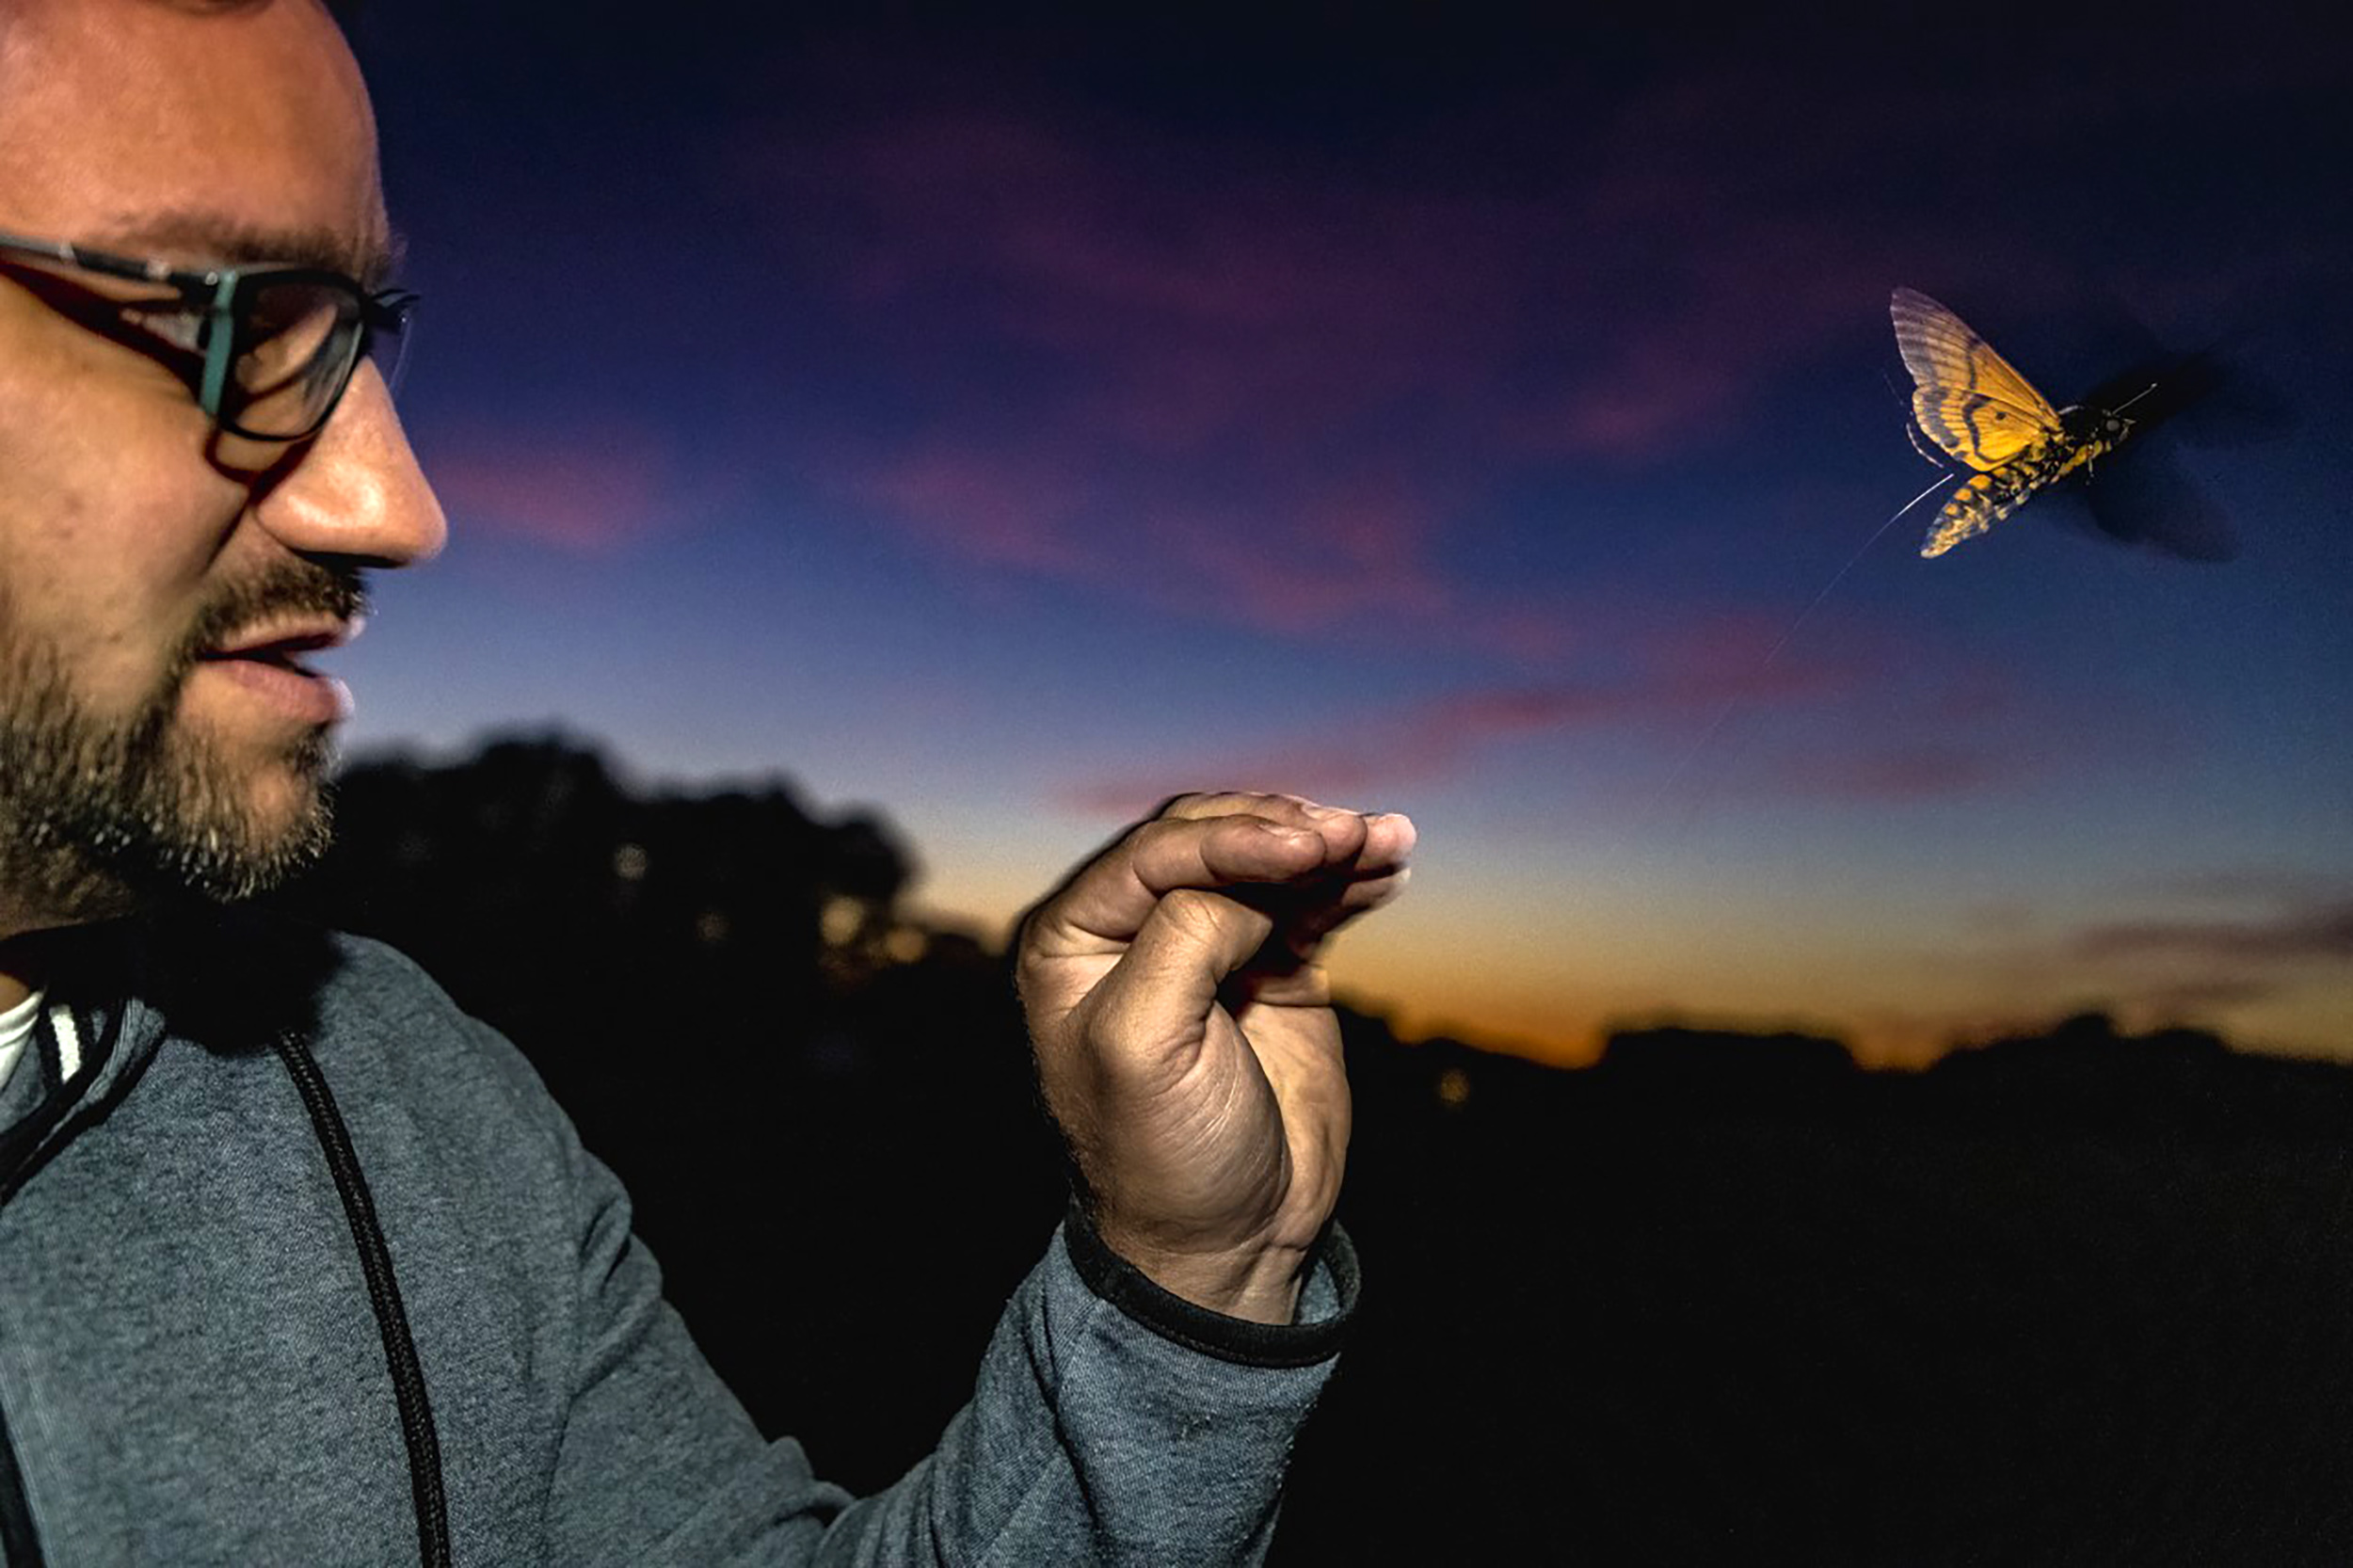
(1234,1339)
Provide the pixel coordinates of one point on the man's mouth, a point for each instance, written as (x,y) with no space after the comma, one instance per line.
(284,645)
(267,660)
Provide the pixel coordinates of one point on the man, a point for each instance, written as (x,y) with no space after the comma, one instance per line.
(299,1265)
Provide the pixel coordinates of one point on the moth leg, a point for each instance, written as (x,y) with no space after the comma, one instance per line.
(1912,434)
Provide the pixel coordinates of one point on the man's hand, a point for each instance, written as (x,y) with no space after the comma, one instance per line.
(1185,1037)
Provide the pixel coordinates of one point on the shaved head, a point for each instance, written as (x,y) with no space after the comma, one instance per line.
(133,106)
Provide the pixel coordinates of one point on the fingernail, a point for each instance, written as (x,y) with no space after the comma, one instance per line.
(1288,835)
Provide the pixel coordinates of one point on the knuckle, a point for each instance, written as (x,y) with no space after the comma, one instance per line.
(1199,804)
(1192,906)
(1211,918)
(1194,806)
(1156,829)
(1143,841)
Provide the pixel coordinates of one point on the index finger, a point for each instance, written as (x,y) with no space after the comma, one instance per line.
(1377,842)
(1205,842)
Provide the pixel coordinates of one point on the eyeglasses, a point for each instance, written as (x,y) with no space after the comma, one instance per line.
(267,350)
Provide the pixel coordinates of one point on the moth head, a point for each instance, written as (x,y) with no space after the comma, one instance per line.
(2082,421)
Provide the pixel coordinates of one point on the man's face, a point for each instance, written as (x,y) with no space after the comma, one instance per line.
(160,582)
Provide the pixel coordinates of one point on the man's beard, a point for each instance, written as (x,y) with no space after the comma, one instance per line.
(99,818)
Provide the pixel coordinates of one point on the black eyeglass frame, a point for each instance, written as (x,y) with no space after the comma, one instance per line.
(217,296)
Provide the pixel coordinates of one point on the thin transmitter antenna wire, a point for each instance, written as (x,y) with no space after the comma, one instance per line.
(1938,335)
(1733,704)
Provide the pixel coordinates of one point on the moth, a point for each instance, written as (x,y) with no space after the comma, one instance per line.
(1968,400)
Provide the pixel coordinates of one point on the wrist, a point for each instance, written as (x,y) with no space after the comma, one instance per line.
(1257,1284)
(1325,1306)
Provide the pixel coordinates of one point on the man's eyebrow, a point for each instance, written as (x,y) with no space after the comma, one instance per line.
(211,239)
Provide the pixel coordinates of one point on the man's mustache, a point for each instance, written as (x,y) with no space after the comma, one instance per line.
(288,587)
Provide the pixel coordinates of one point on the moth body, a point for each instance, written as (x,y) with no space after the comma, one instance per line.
(1985,499)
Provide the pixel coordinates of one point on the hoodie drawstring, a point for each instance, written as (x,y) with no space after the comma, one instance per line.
(392,1319)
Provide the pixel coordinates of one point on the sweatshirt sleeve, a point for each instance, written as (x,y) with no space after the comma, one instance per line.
(1149,1433)
(1111,1423)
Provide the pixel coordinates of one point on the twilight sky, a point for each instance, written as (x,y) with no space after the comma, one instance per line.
(1007,426)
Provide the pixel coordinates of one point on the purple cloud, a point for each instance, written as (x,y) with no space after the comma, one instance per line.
(584,492)
(2321,929)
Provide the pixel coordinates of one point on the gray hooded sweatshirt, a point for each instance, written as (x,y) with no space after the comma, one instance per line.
(300,1265)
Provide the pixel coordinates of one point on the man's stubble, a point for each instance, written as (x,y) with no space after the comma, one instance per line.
(99,817)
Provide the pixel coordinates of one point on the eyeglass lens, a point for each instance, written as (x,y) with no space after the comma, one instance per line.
(298,340)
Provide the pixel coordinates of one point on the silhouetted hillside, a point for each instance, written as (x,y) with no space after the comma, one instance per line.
(2073,1300)
(1718,1298)
(519,871)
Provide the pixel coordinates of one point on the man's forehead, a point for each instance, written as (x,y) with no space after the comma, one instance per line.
(199,133)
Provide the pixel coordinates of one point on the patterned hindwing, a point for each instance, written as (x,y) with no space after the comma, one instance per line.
(1967,398)
(1985,499)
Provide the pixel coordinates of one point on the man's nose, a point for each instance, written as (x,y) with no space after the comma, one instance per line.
(355,492)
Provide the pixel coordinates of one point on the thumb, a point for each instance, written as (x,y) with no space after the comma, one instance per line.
(1163,990)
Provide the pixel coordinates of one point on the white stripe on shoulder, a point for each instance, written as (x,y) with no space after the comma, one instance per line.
(69,1040)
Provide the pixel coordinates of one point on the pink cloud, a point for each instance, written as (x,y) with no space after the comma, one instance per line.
(1211,338)
(1273,304)
(1379,752)
(1327,550)
(1707,654)
(993,507)
(1669,671)
(1901,773)
(593,493)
